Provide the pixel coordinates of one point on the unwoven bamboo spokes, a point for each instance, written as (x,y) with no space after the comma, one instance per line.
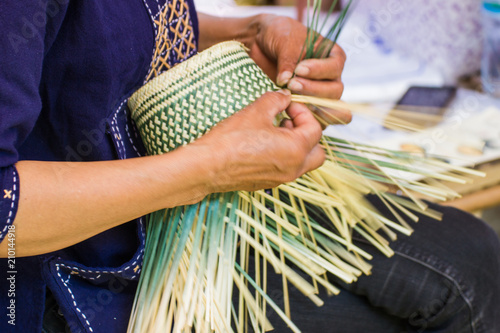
(198,257)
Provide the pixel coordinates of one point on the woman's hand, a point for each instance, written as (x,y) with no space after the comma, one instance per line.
(277,48)
(249,153)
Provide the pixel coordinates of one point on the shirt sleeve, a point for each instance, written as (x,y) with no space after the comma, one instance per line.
(23,43)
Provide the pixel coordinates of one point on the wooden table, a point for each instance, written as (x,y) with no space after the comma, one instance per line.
(482,194)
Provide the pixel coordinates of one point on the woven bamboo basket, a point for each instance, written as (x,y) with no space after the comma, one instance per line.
(181,105)
(197,257)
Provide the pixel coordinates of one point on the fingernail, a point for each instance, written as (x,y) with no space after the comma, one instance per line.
(295,85)
(283,78)
(285,92)
(302,70)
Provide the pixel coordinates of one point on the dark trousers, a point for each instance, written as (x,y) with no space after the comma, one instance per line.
(444,278)
(53,320)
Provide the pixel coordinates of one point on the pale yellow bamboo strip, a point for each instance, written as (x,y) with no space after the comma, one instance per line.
(308,223)
(393,225)
(277,202)
(384,249)
(448,166)
(428,212)
(371,221)
(342,241)
(310,235)
(316,199)
(250,300)
(348,277)
(288,227)
(335,174)
(353,259)
(391,234)
(243,204)
(338,104)
(299,282)
(334,199)
(395,213)
(222,325)
(324,282)
(417,201)
(405,211)
(450,194)
(284,272)
(258,247)
(374,234)
(335,260)
(334,219)
(257,255)
(275,239)
(318,187)
(440,193)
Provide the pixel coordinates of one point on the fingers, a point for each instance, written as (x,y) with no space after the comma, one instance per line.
(280,39)
(287,61)
(320,77)
(315,159)
(305,125)
(331,116)
(325,89)
(286,123)
(288,51)
(323,69)
(263,61)
(271,104)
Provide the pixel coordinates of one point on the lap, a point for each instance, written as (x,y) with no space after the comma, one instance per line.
(445,278)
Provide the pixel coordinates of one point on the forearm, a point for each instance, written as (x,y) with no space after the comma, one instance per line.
(63,203)
(214,29)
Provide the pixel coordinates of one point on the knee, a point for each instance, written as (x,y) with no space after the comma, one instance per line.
(478,243)
(469,264)
(478,262)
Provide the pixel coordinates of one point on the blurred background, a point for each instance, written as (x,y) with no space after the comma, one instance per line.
(444,55)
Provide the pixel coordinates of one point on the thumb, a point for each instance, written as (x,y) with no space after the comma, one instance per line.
(272,103)
(287,61)
(305,124)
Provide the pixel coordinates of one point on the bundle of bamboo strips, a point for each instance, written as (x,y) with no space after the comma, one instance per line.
(198,258)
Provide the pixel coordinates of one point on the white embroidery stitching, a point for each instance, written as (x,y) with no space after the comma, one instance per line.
(151,14)
(130,136)
(172,47)
(114,126)
(159,8)
(88,271)
(155,27)
(12,204)
(73,297)
(143,229)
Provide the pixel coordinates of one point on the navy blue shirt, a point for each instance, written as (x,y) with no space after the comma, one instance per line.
(66,71)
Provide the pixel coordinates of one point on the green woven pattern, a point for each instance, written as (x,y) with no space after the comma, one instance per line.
(182,104)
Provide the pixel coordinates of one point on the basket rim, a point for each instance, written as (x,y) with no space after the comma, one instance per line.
(185,67)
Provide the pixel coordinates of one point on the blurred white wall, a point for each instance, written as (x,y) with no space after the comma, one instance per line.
(445,33)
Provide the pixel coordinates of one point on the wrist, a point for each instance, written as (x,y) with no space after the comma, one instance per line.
(248,34)
(179,177)
(205,165)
